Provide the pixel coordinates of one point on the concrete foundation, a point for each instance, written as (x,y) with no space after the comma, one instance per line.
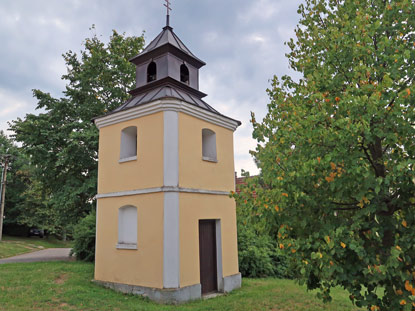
(167,296)
(172,296)
(232,282)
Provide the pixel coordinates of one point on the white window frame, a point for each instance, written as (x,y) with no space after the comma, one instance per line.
(127,227)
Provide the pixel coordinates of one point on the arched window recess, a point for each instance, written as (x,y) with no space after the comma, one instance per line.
(128,148)
(127,227)
(209,145)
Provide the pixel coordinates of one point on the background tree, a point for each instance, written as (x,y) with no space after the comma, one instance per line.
(62,142)
(26,201)
(337,151)
(17,184)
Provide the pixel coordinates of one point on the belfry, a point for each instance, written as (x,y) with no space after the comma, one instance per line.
(166,226)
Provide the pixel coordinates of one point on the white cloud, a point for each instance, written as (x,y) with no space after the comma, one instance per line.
(211,37)
(11,109)
(260,10)
(245,143)
(246,164)
(12,105)
(286,33)
(256,38)
(47,21)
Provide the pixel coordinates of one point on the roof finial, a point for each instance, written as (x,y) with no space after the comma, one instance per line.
(167,5)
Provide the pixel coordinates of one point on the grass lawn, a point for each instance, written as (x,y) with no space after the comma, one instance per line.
(12,246)
(68,286)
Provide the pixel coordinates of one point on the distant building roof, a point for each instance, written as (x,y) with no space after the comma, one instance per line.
(242,181)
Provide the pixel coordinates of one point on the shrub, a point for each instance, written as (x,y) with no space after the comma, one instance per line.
(258,255)
(84,238)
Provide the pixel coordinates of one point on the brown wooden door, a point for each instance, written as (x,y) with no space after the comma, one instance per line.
(207,254)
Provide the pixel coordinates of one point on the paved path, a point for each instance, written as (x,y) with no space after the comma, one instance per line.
(50,254)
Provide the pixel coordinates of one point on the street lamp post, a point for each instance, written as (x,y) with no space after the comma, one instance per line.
(3,191)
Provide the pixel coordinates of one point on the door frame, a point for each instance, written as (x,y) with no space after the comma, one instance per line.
(219,269)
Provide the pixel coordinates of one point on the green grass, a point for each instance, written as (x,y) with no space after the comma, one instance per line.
(12,246)
(68,286)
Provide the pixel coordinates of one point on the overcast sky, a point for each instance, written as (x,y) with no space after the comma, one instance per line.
(242,42)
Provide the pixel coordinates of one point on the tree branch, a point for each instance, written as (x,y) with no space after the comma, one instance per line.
(365,150)
(347,208)
(339,203)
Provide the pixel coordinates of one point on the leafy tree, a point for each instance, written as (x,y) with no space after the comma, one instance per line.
(62,142)
(337,151)
(6,147)
(17,182)
(6,144)
(26,200)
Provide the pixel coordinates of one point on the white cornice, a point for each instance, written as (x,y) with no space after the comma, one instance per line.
(160,189)
(166,105)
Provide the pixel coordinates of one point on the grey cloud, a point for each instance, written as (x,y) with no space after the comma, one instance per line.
(241,41)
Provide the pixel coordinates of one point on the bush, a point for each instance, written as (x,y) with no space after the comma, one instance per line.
(84,238)
(15,230)
(259,255)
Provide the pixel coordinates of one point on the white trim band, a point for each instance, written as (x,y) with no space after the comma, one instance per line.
(126,246)
(160,189)
(134,158)
(208,159)
(166,105)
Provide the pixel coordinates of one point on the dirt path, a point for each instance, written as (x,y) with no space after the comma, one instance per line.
(50,254)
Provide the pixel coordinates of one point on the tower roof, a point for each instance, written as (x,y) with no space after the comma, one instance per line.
(167,36)
(167,89)
(167,69)
(169,41)
(164,92)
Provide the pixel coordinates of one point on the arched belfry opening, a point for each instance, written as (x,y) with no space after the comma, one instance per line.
(152,72)
(184,74)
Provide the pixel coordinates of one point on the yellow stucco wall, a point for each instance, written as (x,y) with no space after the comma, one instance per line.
(146,171)
(199,174)
(142,267)
(202,206)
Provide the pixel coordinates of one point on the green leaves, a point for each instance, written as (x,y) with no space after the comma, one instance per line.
(343,137)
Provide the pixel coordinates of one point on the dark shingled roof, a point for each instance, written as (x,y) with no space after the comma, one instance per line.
(166,37)
(165,91)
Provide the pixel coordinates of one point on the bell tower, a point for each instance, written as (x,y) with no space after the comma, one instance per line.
(166,226)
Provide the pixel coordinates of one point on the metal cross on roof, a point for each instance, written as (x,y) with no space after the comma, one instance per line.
(167,5)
